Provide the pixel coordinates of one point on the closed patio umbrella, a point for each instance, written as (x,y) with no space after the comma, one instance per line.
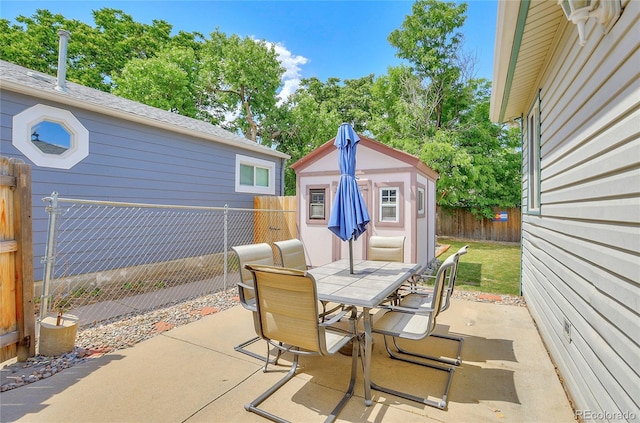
(349,215)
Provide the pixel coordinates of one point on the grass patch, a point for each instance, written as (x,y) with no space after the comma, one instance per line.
(487,267)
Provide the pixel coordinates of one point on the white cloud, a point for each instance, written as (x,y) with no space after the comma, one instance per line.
(291,77)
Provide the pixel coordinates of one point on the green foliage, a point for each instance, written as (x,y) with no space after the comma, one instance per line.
(243,75)
(428,107)
(168,81)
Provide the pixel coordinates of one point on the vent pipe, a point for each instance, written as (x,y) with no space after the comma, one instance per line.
(61,83)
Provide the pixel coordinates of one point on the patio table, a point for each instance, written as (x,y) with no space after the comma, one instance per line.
(369,285)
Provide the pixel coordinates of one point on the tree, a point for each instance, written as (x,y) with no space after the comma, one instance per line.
(168,81)
(244,75)
(429,39)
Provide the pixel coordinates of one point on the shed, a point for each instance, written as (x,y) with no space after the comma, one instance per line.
(87,144)
(398,189)
(579,107)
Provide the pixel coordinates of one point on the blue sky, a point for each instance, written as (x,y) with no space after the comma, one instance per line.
(343,39)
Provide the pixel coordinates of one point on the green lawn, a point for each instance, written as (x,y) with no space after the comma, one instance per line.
(487,267)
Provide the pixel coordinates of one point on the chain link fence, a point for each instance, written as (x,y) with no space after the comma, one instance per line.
(106,259)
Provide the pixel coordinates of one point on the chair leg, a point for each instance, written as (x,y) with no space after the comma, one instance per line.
(441,404)
(241,348)
(455,361)
(352,382)
(253,405)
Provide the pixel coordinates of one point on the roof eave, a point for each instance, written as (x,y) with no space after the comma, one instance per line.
(60,97)
(510,24)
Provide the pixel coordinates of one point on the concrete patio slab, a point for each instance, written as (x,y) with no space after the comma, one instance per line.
(192,374)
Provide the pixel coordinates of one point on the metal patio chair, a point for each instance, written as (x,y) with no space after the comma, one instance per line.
(386,248)
(422,298)
(254,254)
(287,307)
(415,324)
(292,256)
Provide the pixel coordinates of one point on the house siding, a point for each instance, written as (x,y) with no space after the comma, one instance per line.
(131,162)
(580,255)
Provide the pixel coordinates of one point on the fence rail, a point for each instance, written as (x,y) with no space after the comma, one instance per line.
(109,259)
(460,223)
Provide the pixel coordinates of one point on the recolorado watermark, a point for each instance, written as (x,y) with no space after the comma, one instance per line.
(606,415)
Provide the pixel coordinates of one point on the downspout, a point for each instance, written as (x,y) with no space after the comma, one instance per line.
(61,82)
(283,163)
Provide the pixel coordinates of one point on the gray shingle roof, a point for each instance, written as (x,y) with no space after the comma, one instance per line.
(21,79)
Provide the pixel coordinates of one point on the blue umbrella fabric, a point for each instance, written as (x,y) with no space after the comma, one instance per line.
(349,216)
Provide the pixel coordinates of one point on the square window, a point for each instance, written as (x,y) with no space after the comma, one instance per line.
(317,204)
(255,175)
(262,177)
(246,175)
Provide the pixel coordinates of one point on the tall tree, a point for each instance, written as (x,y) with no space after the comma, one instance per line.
(431,41)
(244,75)
(169,81)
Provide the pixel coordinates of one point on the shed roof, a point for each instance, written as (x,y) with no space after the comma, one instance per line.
(25,81)
(526,32)
(328,147)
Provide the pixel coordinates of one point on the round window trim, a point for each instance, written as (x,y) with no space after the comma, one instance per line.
(25,120)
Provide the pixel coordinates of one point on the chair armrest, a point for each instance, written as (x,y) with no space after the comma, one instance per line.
(245,286)
(337,317)
(243,301)
(408,310)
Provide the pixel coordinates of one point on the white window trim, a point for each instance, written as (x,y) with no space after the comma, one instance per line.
(533,158)
(79,136)
(397,204)
(252,161)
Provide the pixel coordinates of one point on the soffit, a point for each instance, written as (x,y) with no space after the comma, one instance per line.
(525,34)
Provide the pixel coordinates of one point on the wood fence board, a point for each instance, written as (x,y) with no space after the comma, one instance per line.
(17,318)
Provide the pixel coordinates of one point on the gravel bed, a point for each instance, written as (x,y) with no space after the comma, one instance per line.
(97,339)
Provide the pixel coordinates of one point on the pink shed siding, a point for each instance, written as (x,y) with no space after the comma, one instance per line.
(377,165)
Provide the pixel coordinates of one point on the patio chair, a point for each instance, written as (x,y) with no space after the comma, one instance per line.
(292,256)
(255,254)
(422,298)
(386,248)
(415,324)
(287,307)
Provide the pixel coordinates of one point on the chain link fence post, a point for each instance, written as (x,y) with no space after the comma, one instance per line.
(49,258)
(226,244)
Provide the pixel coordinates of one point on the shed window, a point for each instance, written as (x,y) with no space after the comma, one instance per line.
(420,201)
(389,204)
(317,204)
(254,175)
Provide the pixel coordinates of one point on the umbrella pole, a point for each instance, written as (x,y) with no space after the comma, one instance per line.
(351,255)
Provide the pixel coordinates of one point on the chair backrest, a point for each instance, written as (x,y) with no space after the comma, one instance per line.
(287,303)
(441,283)
(453,275)
(386,248)
(251,254)
(292,254)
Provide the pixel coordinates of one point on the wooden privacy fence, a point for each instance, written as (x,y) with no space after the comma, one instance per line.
(17,317)
(460,223)
(273,226)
